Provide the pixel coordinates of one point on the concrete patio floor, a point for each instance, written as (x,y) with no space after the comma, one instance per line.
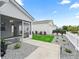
(44,51)
(32,49)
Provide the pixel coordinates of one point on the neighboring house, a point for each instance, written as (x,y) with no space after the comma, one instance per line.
(14,20)
(43,26)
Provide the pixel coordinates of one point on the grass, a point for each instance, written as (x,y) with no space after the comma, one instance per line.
(45,38)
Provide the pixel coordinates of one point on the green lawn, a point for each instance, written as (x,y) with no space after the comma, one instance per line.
(45,38)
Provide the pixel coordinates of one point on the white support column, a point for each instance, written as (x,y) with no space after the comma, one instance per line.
(22,29)
(0,26)
(30,30)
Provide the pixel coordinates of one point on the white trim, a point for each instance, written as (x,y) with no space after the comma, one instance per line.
(22,29)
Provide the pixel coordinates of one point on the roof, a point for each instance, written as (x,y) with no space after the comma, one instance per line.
(18,6)
(2,3)
(43,22)
(21,8)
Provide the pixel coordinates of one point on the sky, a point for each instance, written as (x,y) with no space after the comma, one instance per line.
(62,12)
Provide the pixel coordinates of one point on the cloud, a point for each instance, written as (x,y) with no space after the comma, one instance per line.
(75,5)
(20,2)
(77,16)
(65,2)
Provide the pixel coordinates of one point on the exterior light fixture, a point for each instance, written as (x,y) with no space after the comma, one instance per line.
(11,21)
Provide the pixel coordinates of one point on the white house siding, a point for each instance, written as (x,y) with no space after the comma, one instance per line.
(4,0)
(47,27)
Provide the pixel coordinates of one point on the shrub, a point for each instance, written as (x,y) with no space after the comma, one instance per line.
(36,32)
(40,33)
(44,32)
(32,32)
(17,46)
(64,40)
(55,31)
(68,50)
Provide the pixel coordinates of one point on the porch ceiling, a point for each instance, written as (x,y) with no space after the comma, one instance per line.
(11,20)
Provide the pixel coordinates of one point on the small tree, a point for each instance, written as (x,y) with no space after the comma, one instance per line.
(65,28)
(63,32)
(56,31)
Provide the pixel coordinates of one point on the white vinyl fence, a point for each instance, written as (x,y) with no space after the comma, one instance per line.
(74,39)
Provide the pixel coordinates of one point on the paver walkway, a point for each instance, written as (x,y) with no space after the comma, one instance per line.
(67,44)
